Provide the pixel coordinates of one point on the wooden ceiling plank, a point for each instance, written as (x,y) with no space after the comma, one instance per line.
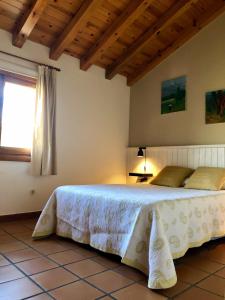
(167,18)
(28,22)
(69,33)
(134,10)
(204,20)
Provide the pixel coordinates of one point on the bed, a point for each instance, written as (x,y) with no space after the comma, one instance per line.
(148,226)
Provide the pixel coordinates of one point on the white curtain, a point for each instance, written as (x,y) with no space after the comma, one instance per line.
(43,155)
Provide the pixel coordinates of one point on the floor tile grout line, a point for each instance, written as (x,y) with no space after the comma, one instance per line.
(180,293)
(102,272)
(40,254)
(25,276)
(45,255)
(96,287)
(223,265)
(87,258)
(108,269)
(22,261)
(191,285)
(83,279)
(214,261)
(102,297)
(205,289)
(91,275)
(10,279)
(17,262)
(195,284)
(30,297)
(109,293)
(63,268)
(28,245)
(199,288)
(29,277)
(52,253)
(38,273)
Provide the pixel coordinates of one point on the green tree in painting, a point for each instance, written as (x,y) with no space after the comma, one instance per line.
(173,95)
(215,107)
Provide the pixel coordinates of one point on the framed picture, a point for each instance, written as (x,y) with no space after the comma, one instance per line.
(215,107)
(173,95)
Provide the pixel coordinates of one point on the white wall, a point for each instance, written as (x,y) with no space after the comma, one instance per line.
(203,61)
(92,132)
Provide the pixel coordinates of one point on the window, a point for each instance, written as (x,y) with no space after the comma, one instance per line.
(17,105)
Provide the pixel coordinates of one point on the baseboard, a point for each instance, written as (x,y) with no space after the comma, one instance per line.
(21,216)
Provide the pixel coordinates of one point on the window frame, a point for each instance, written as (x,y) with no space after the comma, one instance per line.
(13,153)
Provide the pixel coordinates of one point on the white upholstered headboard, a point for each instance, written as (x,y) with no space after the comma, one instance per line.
(187,156)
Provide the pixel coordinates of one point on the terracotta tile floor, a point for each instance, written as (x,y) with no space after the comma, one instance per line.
(56,268)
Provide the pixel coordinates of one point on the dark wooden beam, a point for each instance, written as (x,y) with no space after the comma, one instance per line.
(168,17)
(69,33)
(27,22)
(204,20)
(127,17)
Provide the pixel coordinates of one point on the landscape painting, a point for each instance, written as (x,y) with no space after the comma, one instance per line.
(215,107)
(173,95)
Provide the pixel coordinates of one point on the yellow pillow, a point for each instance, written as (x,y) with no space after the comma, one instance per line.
(206,178)
(172,176)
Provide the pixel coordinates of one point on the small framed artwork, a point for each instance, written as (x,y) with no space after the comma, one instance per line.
(173,95)
(215,107)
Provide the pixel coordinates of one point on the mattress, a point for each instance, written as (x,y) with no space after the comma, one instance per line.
(147,225)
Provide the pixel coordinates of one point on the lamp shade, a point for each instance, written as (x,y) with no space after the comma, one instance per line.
(140,152)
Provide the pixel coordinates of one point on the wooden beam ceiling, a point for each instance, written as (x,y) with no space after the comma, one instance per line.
(168,17)
(27,22)
(144,31)
(204,20)
(133,11)
(70,32)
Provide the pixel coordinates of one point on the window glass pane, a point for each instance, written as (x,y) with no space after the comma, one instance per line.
(17,116)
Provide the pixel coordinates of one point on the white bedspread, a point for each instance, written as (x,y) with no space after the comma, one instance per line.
(147,225)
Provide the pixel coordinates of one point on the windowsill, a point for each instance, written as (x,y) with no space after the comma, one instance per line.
(15,154)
